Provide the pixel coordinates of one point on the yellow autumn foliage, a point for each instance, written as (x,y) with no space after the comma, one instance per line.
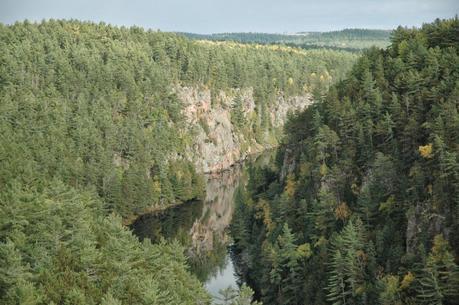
(304,250)
(388,205)
(342,211)
(429,189)
(426,151)
(265,214)
(355,189)
(321,242)
(323,169)
(305,168)
(290,186)
(407,280)
(359,290)
(156,186)
(236,45)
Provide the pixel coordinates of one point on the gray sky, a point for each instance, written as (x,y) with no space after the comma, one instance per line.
(213,16)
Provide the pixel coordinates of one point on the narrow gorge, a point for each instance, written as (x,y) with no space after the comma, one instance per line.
(151,168)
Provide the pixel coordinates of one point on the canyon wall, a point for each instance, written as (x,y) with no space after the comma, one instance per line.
(216,142)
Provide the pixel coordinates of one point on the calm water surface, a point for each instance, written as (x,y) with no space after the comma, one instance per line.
(202,226)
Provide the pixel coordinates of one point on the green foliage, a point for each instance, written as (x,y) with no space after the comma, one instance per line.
(92,129)
(57,247)
(438,282)
(231,296)
(369,177)
(237,113)
(96,105)
(390,294)
(346,280)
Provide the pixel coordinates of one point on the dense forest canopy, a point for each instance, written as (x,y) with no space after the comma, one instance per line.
(57,246)
(363,205)
(89,127)
(86,96)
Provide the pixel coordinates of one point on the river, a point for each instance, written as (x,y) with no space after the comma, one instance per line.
(202,226)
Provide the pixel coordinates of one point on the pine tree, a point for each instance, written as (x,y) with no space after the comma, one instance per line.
(390,294)
(338,293)
(346,277)
(439,282)
(285,273)
(237,112)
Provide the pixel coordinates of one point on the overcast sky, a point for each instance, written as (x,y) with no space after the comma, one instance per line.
(212,16)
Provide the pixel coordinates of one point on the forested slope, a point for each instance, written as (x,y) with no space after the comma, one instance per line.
(57,246)
(363,206)
(97,106)
(92,129)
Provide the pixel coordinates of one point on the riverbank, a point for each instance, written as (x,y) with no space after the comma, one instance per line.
(129,220)
(201,227)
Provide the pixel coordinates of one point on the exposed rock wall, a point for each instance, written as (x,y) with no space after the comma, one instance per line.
(288,164)
(216,143)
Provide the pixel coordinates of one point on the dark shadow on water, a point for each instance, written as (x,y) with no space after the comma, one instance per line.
(202,226)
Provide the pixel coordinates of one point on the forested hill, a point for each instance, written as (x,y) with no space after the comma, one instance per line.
(93,127)
(347,39)
(363,206)
(98,106)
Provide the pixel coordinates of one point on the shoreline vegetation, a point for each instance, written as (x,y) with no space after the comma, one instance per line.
(130,219)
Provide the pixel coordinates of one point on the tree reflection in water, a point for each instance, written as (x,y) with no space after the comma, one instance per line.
(202,226)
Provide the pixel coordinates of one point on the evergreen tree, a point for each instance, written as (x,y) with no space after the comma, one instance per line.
(439,281)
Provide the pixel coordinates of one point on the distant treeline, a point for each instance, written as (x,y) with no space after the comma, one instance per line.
(348,39)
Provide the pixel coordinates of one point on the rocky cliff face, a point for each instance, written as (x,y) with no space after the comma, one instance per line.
(217,143)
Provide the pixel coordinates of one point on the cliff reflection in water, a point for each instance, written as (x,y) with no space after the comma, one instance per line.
(200,226)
